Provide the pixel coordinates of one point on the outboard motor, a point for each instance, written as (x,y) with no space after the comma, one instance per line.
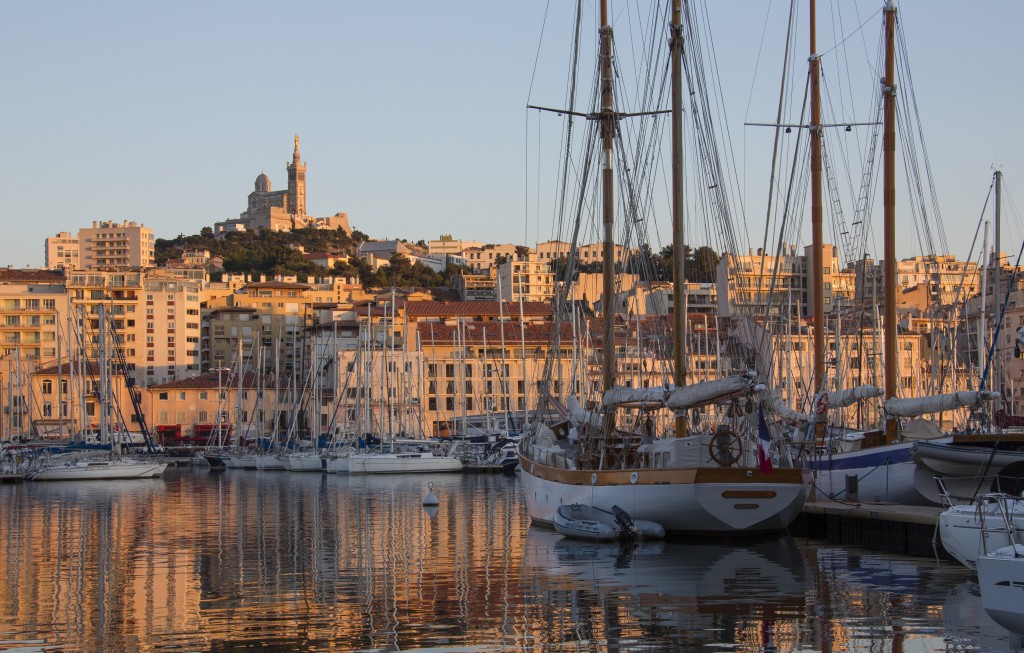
(625,522)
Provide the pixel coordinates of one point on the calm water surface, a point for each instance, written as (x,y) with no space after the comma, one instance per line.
(278,561)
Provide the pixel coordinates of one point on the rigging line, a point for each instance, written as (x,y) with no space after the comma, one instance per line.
(850,35)
(536,59)
(963,274)
(912,103)
(757,61)
(797,159)
(733,178)
(778,128)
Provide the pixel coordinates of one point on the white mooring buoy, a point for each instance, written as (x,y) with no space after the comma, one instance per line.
(431,498)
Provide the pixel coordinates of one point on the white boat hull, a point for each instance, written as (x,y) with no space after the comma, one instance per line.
(401,463)
(695,501)
(86,470)
(336,464)
(884,474)
(1001,578)
(252,461)
(971,530)
(966,471)
(303,462)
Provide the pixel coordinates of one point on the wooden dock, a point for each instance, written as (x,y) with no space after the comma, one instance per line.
(11,478)
(910,530)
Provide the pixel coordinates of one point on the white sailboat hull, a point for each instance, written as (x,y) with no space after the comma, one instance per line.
(402,463)
(694,500)
(252,461)
(303,462)
(85,470)
(884,474)
(1001,579)
(336,463)
(971,530)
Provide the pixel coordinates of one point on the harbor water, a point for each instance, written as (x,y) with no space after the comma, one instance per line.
(276,561)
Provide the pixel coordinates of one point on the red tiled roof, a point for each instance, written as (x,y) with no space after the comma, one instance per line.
(65,368)
(12,275)
(475,309)
(472,333)
(209,380)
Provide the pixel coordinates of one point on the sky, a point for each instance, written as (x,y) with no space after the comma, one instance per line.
(412,115)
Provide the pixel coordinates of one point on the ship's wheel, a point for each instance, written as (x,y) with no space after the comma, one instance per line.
(725,447)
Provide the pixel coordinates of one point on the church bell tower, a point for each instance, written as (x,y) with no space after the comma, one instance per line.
(297,184)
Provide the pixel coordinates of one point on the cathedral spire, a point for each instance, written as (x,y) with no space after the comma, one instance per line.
(296,204)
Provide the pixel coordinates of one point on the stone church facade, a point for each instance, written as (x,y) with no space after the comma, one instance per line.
(281,210)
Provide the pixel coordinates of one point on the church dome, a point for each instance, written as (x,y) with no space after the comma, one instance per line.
(262,183)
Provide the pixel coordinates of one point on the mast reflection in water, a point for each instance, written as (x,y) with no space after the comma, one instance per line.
(297,562)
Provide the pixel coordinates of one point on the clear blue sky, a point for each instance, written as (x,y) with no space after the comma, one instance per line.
(411,114)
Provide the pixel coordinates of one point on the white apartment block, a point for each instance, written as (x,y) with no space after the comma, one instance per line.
(110,245)
(528,280)
(62,252)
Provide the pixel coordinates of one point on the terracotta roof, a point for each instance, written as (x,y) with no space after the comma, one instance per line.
(209,380)
(441,334)
(65,368)
(12,275)
(476,309)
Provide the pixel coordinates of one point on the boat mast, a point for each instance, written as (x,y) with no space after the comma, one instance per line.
(817,240)
(997,299)
(678,247)
(608,126)
(889,215)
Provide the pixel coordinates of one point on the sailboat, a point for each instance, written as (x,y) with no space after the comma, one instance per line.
(690,483)
(873,465)
(83,466)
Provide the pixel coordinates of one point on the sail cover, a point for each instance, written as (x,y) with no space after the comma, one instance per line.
(787,414)
(619,395)
(848,396)
(915,406)
(582,416)
(709,392)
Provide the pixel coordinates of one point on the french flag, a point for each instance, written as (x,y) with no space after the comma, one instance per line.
(764,442)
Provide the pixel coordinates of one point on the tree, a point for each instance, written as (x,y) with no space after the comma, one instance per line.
(522,251)
(206,232)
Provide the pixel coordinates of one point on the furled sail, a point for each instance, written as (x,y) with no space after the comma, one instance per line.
(620,395)
(582,416)
(849,396)
(787,414)
(709,392)
(915,406)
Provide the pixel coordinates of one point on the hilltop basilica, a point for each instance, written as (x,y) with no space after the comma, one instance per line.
(281,210)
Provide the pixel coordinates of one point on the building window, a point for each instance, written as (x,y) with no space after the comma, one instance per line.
(47,387)
(163,396)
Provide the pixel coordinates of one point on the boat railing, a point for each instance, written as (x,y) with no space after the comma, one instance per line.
(992,481)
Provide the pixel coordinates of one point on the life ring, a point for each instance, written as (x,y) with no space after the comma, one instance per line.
(725,447)
(821,403)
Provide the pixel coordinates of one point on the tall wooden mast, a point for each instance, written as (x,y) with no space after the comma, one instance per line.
(889,207)
(678,247)
(608,126)
(997,286)
(817,240)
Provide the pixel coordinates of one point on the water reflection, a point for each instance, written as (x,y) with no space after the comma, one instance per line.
(296,562)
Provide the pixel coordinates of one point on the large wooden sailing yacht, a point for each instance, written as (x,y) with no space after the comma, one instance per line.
(706,482)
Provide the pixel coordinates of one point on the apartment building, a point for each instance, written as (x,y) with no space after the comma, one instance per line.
(61,252)
(107,244)
(526,279)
